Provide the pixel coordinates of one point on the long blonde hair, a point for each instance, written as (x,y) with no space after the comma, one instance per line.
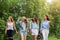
(10,19)
(25,20)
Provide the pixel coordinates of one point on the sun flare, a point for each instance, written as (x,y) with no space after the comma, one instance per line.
(49,1)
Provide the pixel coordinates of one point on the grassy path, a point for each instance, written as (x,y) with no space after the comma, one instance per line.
(17,37)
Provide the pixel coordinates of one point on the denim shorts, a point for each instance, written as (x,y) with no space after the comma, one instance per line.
(23,32)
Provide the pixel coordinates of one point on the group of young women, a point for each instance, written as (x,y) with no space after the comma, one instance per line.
(34,27)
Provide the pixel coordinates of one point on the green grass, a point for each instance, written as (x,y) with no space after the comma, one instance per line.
(53,38)
(17,37)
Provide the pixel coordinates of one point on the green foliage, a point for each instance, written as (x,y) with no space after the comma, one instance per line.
(28,8)
(55,12)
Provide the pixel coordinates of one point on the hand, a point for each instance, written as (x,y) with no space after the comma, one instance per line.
(41,32)
(16,32)
(30,32)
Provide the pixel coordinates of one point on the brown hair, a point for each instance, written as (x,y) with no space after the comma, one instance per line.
(47,17)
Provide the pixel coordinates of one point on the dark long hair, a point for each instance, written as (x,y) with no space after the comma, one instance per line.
(47,17)
(34,18)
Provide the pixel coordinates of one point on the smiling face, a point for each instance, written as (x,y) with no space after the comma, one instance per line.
(23,19)
(10,19)
(45,18)
(34,19)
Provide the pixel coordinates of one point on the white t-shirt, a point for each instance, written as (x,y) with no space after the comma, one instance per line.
(10,26)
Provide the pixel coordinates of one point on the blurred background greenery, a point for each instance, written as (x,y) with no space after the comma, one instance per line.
(28,8)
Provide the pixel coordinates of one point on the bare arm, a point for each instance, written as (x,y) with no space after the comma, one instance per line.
(49,22)
(30,28)
(14,27)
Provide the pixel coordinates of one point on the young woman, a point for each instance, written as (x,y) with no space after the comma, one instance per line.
(23,28)
(10,27)
(45,27)
(34,28)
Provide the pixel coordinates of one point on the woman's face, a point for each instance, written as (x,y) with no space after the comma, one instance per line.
(33,19)
(9,19)
(45,18)
(23,19)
